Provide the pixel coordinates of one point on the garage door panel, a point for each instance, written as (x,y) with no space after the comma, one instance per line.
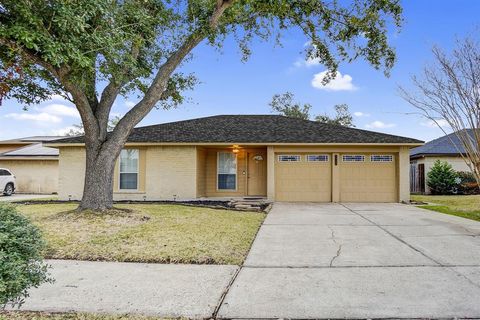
(303,181)
(368,181)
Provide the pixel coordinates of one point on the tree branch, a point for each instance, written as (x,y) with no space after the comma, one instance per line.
(159,84)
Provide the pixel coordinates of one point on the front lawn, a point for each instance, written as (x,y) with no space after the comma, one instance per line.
(462,206)
(148,233)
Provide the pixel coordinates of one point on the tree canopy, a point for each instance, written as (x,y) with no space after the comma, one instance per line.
(92,51)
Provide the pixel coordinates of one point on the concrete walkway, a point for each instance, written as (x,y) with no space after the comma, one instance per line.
(308,261)
(191,291)
(359,261)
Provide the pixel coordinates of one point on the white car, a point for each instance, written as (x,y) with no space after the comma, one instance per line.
(7,182)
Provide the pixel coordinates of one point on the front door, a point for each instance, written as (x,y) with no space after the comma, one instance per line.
(257,173)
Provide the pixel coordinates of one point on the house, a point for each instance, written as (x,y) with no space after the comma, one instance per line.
(228,156)
(34,165)
(447,148)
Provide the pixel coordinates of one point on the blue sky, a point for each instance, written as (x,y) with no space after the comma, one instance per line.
(229,86)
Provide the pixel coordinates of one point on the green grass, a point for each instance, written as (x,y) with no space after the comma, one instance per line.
(461,206)
(68,316)
(146,233)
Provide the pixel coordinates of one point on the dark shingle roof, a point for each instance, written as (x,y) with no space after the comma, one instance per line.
(253,129)
(446,145)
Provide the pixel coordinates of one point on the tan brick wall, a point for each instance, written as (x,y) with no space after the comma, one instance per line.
(34,176)
(71,173)
(201,171)
(168,171)
(171,171)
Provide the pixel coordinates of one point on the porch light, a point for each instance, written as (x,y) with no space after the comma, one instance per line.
(235,150)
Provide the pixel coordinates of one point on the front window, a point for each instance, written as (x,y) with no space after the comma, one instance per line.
(227,171)
(129,169)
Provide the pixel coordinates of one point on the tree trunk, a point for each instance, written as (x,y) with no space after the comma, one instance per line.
(98,187)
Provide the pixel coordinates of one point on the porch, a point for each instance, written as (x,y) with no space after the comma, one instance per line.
(232,172)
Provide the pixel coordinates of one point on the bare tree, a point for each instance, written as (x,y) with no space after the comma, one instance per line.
(448,91)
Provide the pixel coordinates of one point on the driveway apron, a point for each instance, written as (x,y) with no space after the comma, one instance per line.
(358,261)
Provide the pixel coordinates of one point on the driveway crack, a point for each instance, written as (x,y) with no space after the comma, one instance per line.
(339,250)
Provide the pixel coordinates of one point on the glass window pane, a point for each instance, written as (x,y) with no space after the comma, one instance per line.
(129,160)
(128,181)
(227,181)
(227,163)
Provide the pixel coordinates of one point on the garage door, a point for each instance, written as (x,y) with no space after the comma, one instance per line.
(303,177)
(368,178)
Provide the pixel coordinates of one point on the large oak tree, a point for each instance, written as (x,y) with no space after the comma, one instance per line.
(93,51)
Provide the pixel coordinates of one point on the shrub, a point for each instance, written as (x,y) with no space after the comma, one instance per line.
(441,179)
(467,184)
(21,265)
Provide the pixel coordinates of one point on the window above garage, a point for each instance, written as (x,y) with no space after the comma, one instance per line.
(381,158)
(289,158)
(353,158)
(317,157)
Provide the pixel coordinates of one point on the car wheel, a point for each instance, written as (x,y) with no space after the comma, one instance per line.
(8,190)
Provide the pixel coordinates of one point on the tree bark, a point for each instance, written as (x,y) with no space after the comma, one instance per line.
(98,186)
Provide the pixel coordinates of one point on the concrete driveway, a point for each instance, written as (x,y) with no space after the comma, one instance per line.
(359,261)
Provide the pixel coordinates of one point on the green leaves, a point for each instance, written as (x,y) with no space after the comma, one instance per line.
(21,265)
(441,179)
(97,40)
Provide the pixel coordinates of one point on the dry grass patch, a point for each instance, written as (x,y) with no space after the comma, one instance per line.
(146,233)
(461,206)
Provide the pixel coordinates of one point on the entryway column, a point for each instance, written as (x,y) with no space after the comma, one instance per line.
(271,173)
(404,174)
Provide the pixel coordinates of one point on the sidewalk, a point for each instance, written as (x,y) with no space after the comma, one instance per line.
(191,291)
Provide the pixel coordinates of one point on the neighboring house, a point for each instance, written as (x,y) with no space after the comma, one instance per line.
(447,148)
(34,165)
(228,156)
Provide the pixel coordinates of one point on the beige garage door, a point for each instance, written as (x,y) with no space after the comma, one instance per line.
(303,177)
(368,178)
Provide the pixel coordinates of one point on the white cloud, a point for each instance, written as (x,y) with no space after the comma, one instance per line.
(63,131)
(379,125)
(130,104)
(42,118)
(57,97)
(61,110)
(310,62)
(431,124)
(339,83)
(361,114)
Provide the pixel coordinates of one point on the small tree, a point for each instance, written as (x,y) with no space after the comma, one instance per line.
(285,105)
(441,179)
(447,93)
(343,116)
(21,265)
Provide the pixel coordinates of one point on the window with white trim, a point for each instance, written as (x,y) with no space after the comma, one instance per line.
(129,169)
(317,157)
(353,158)
(288,158)
(226,171)
(381,158)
